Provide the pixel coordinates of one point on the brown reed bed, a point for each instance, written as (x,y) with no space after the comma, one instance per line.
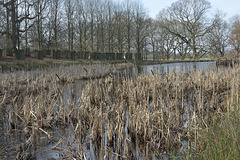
(161,112)
(33,101)
(119,117)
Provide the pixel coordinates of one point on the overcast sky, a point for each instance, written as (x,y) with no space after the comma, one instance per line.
(231,7)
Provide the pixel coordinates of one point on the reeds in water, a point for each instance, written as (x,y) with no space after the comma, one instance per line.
(121,118)
(163,111)
(34,102)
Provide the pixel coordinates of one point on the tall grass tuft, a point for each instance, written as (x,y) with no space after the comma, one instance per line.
(221,141)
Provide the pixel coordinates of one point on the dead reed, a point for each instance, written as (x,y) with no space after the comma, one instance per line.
(119,117)
(160,112)
(34,101)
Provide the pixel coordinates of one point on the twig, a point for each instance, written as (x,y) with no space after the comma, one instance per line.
(58,143)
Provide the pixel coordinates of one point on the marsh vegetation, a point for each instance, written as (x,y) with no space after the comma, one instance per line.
(114,116)
(61,109)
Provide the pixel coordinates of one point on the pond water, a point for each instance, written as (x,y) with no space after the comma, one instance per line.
(9,141)
(186,67)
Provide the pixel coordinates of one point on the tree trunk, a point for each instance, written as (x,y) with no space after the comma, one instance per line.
(14,30)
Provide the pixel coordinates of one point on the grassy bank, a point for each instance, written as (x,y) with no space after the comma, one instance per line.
(33,64)
(146,62)
(10,64)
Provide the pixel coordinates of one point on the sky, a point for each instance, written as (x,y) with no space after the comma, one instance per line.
(230,7)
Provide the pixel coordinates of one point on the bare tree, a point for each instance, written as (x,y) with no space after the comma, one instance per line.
(128,21)
(101,28)
(234,39)
(91,11)
(4,27)
(217,39)
(140,27)
(69,10)
(119,27)
(110,25)
(55,7)
(39,7)
(153,34)
(187,20)
(80,20)
(182,48)
(16,14)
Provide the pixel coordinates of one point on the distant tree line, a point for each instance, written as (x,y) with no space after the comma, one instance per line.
(106,29)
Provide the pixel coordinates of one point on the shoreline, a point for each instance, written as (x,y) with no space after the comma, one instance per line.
(12,65)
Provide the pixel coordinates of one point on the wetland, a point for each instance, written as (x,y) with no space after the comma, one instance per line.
(101,111)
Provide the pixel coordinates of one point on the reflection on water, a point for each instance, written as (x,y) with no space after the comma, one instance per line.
(186,67)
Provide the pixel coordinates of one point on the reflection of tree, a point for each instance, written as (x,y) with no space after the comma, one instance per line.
(168,70)
(194,67)
(181,68)
(139,70)
(161,69)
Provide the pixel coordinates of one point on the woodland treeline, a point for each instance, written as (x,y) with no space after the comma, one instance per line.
(109,29)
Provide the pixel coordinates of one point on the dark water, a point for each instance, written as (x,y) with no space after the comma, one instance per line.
(186,67)
(9,141)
